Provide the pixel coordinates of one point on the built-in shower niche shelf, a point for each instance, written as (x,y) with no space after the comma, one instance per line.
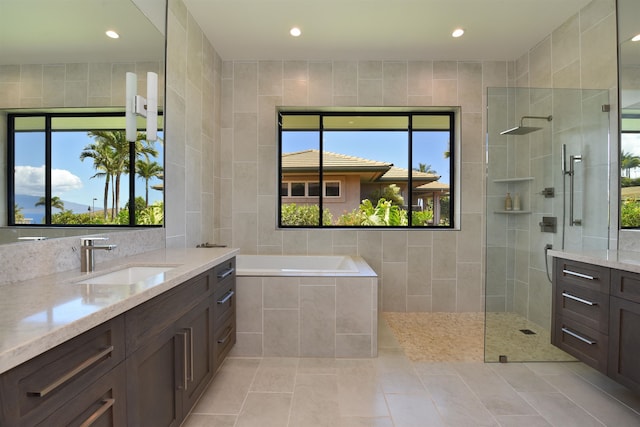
(517,179)
(512,212)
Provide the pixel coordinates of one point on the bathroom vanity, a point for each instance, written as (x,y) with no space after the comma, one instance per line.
(596,311)
(149,360)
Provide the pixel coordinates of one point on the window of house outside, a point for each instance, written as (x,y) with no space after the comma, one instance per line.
(384,168)
(75,169)
(630,170)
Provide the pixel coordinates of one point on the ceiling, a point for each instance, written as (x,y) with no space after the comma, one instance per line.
(378,29)
(46,31)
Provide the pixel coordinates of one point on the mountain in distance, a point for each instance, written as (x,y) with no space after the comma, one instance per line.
(36,213)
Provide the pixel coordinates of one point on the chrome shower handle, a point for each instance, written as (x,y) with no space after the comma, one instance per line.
(572,161)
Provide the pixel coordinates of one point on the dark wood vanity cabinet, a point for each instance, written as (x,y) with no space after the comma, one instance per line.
(169,368)
(146,367)
(581,311)
(78,380)
(597,318)
(624,348)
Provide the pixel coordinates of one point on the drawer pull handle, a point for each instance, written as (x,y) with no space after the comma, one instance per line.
(228,272)
(578,299)
(190,353)
(72,373)
(226,337)
(226,297)
(580,337)
(582,276)
(185,362)
(106,404)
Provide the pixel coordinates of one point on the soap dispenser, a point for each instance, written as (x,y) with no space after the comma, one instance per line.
(516,202)
(508,203)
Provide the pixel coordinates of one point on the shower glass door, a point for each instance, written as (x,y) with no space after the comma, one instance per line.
(545,149)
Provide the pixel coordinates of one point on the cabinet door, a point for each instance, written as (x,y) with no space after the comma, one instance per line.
(624,339)
(198,326)
(155,374)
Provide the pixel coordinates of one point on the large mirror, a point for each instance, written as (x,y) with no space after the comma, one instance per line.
(57,61)
(629,69)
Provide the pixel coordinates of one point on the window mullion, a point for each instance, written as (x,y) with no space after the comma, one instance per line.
(47,170)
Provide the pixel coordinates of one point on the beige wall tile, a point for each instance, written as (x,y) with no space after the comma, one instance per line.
(281,333)
(317,320)
(353,306)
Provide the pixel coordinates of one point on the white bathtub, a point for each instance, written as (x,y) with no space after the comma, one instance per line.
(301,265)
(305,306)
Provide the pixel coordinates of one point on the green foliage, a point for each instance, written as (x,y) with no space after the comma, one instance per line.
(629,182)
(301,215)
(390,193)
(67,217)
(630,213)
(385,213)
(421,218)
(151,215)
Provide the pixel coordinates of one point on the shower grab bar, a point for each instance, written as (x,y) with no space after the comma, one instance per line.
(582,276)
(577,336)
(572,161)
(578,299)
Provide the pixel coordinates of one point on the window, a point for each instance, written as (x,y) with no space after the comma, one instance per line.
(385,168)
(629,166)
(310,189)
(75,169)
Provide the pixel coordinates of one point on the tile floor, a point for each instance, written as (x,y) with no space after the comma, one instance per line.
(392,391)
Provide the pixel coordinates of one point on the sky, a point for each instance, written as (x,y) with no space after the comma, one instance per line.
(383,146)
(71,177)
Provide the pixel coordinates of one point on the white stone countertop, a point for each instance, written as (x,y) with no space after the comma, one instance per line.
(37,315)
(621,260)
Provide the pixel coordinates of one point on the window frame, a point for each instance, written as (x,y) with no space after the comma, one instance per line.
(48,131)
(454,130)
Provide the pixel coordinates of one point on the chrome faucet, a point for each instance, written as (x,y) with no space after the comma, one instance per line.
(87,262)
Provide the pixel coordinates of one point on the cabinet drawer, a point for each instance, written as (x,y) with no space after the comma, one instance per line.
(102,404)
(224,303)
(224,339)
(38,387)
(589,307)
(224,274)
(157,314)
(586,344)
(589,276)
(626,285)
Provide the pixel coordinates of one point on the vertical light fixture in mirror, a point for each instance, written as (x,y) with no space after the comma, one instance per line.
(137,105)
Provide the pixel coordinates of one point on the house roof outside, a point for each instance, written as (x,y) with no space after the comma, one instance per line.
(371,170)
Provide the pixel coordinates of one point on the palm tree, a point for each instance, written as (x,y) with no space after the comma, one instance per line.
(629,161)
(103,163)
(116,147)
(423,167)
(147,170)
(56,202)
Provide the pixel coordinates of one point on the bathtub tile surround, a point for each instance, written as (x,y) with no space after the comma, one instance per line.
(307,315)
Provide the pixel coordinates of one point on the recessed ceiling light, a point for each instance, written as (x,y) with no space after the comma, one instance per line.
(458,32)
(635,38)
(112,34)
(295,32)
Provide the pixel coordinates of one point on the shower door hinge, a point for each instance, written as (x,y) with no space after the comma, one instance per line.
(606,108)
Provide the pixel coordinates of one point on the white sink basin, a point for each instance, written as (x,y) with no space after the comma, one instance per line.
(128,276)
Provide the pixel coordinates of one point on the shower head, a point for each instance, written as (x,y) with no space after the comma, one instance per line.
(523,130)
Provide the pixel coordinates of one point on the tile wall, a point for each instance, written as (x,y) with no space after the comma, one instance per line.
(419,270)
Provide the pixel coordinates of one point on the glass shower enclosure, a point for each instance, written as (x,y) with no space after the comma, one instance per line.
(547,186)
